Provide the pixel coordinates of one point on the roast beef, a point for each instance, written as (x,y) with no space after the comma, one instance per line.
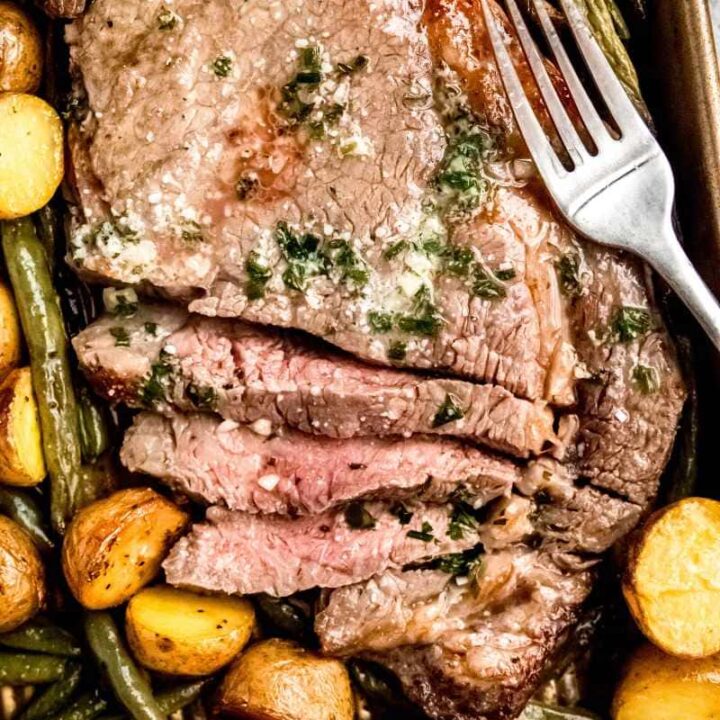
(245,553)
(222,463)
(205,168)
(250,374)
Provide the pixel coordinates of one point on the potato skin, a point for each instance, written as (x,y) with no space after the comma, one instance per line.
(21,52)
(31,154)
(115,546)
(9,332)
(22,578)
(670,582)
(179,632)
(21,453)
(656,686)
(280,680)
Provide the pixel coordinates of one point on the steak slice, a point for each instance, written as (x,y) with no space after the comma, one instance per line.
(244,553)
(250,374)
(462,650)
(193,149)
(222,463)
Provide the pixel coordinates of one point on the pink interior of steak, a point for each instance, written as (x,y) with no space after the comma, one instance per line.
(388,209)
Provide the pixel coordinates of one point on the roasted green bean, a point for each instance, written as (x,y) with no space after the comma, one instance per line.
(56,697)
(172,700)
(130,686)
(47,343)
(25,669)
(86,707)
(382,691)
(94,435)
(42,637)
(21,507)
(537,711)
(285,617)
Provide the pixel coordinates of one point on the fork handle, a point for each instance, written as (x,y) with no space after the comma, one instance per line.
(670,260)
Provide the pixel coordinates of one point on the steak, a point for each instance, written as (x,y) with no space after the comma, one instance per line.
(281,556)
(463,650)
(222,463)
(250,374)
(203,168)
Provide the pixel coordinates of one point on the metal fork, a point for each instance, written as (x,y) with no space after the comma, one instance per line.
(619,194)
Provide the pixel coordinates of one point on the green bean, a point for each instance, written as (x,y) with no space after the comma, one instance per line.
(382,691)
(42,637)
(172,700)
(94,435)
(21,507)
(86,707)
(47,343)
(46,222)
(537,711)
(130,687)
(22,669)
(285,617)
(56,697)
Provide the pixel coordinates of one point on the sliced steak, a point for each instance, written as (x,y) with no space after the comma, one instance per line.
(196,144)
(249,374)
(246,553)
(222,463)
(464,650)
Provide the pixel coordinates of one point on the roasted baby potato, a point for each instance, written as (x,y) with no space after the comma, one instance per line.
(20,51)
(31,154)
(183,633)
(21,453)
(657,686)
(9,332)
(280,680)
(671,581)
(22,578)
(114,546)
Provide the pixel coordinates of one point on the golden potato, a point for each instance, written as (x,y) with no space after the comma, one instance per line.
(31,154)
(21,453)
(20,51)
(183,633)
(280,680)
(672,580)
(115,546)
(9,332)
(657,686)
(22,578)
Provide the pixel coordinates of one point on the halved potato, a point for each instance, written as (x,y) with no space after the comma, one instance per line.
(20,51)
(115,546)
(21,454)
(672,581)
(9,332)
(657,686)
(183,633)
(280,680)
(31,154)
(22,578)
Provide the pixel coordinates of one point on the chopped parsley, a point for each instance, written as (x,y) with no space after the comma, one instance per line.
(403,515)
(448,412)
(167,19)
(303,256)
(568,272)
(347,262)
(395,249)
(380,322)
(505,274)
(151,328)
(397,351)
(425,533)
(358,518)
(457,260)
(459,564)
(191,232)
(153,390)
(486,285)
(646,378)
(122,339)
(425,319)
(630,323)
(461,519)
(296,104)
(221,66)
(202,396)
(258,276)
